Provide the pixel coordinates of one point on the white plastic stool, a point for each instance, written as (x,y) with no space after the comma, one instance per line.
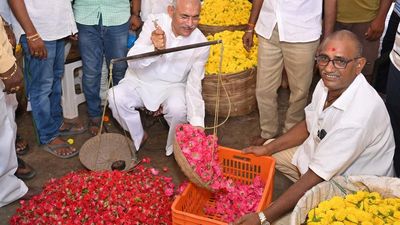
(70,99)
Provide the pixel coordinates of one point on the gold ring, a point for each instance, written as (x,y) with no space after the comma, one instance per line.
(17,88)
(36,53)
(12,89)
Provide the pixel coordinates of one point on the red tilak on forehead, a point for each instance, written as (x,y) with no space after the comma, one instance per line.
(333,49)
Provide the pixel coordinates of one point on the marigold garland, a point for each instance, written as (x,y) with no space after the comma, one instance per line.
(360,208)
(235,56)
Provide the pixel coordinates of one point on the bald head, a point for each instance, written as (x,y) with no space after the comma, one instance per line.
(345,36)
(174,3)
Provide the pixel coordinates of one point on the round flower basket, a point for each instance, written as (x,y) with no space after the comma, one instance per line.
(341,186)
(187,169)
(211,30)
(99,153)
(240,88)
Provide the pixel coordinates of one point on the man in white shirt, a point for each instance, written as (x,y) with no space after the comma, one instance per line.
(340,134)
(288,34)
(171,81)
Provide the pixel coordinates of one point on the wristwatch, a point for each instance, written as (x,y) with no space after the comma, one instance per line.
(263,219)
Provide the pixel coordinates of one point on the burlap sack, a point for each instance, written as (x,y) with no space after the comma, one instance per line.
(340,186)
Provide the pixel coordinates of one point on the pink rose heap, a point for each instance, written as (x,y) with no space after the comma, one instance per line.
(109,197)
(233,199)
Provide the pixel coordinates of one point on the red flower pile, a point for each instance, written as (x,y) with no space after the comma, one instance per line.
(232,199)
(110,197)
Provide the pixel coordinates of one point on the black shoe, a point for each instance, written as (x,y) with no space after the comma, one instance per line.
(24,171)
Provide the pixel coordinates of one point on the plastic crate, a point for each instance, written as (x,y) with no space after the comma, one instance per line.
(188,208)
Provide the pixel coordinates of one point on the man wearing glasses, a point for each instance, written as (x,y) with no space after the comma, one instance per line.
(340,134)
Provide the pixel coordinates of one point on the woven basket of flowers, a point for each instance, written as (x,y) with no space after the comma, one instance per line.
(237,76)
(187,169)
(211,30)
(239,96)
(350,200)
(217,16)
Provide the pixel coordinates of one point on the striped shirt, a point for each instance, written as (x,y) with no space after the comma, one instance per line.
(113,13)
(397,7)
(395,54)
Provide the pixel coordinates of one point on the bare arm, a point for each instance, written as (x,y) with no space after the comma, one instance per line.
(294,137)
(36,45)
(377,25)
(330,10)
(136,20)
(19,9)
(286,202)
(248,35)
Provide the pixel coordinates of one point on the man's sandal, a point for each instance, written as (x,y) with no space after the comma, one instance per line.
(52,148)
(21,147)
(71,129)
(94,126)
(24,170)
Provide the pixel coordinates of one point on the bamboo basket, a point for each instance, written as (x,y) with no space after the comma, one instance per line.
(211,30)
(187,169)
(240,88)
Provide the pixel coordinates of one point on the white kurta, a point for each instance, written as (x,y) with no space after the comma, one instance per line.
(11,188)
(171,80)
(359,138)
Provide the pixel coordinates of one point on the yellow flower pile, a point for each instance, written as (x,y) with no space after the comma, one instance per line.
(235,56)
(225,12)
(360,208)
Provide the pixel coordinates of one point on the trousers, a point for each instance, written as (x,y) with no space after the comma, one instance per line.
(298,60)
(124,102)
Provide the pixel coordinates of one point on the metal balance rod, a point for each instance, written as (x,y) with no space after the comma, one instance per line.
(165,51)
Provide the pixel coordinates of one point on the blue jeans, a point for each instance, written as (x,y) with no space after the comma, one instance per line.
(43,88)
(94,42)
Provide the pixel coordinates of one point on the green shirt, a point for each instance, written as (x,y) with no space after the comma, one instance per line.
(113,12)
(357,11)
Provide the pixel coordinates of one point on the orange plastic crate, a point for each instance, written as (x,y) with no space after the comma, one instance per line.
(188,208)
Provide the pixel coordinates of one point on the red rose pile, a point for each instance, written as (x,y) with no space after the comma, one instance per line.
(109,197)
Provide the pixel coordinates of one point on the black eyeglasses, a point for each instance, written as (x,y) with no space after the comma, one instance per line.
(338,63)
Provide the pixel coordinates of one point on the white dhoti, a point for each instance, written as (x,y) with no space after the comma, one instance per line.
(11,188)
(125,98)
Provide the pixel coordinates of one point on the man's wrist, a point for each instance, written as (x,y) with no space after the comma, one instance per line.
(263,219)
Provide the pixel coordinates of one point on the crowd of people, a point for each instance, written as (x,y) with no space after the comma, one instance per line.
(346,120)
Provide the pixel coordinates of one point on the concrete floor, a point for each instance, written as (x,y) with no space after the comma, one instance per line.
(235,133)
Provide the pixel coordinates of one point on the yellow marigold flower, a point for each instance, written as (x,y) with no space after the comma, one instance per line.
(340,215)
(367,223)
(396,214)
(337,223)
(349,223)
